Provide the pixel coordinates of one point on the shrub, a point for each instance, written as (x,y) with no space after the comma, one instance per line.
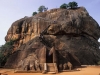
(34,13)
(72,4)
(42,8)
(64,6)
(5,51)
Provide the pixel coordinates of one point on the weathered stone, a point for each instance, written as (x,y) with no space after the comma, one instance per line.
(64,66)
(69,65)
(73,33)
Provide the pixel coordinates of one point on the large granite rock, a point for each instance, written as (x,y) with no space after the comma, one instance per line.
(71,30)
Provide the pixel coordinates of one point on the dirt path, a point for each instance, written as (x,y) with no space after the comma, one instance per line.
(83,71)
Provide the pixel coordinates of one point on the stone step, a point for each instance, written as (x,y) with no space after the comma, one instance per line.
(52,67)
(50,64)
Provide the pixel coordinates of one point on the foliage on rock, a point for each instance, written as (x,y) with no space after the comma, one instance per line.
(64,6)
(34,13)
(72,4)
(5,51)
(42,8)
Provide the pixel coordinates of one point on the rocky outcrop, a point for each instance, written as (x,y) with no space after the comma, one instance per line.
(69,30)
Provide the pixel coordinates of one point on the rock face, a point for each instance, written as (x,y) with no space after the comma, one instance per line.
(73,33)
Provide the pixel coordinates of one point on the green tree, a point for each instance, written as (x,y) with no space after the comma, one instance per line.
(5,51)
(46,8)
(64,6)
(1,58)
(42,8)
(34,13)
(72,4)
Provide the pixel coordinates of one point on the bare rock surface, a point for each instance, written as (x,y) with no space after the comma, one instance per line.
(73,33)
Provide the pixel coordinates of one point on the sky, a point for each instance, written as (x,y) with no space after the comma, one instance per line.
(12,10)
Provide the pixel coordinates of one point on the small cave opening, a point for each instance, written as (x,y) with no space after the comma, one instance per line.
(68,34)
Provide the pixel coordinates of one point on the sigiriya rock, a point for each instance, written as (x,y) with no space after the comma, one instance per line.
(55,36)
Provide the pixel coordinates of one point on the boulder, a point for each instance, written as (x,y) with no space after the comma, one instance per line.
(73,33)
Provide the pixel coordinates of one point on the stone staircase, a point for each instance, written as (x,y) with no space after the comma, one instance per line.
(51,68)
